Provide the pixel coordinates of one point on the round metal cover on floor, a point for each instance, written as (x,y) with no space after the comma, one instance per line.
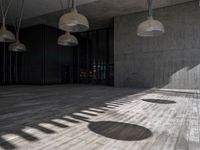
(159,101)
(120,131)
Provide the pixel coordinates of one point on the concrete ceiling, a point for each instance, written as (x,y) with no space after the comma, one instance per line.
(99,12)
(34,8)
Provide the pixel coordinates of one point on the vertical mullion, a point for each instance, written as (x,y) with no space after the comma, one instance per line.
(107,55)
(4,63)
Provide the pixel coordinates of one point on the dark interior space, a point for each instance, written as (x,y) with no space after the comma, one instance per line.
(95,55)
(91,62)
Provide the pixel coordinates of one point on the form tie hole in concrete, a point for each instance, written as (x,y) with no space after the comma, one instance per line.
(159,101)
(120,131)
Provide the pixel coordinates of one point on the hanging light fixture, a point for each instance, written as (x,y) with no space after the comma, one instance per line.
(150,27)
(5,35)
(67,40)
(18,46)
(73,21)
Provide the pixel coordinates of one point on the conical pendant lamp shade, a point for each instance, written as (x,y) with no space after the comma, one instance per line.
(67,40)
(17,47)
(73,22)
(150,28)
(6,36)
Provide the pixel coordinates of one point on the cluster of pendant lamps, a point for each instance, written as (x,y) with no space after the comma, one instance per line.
(7,36)
(75,22)
(150,27)
(71,22)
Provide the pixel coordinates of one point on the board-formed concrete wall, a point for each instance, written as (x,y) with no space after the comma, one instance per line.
(170,61)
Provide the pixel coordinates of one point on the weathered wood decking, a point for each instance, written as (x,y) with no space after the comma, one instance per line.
(77,117)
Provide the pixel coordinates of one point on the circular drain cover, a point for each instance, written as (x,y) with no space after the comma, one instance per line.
(159,101)
(120,130)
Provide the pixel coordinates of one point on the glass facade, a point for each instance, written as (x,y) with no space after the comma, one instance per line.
(94,57)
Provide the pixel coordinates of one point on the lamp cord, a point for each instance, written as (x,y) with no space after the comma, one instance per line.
(62,6)
(4,13)
(74,4)
(150,7)
(18,21)
(69,4)
(9,4)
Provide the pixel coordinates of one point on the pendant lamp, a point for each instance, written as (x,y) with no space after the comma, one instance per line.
(67,40)
(73,21)
(150,27)
(18,46)
(5,35)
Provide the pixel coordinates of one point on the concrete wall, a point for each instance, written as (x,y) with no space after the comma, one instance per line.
(169,61)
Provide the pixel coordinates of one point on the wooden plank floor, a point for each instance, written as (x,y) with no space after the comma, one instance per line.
(79,117)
